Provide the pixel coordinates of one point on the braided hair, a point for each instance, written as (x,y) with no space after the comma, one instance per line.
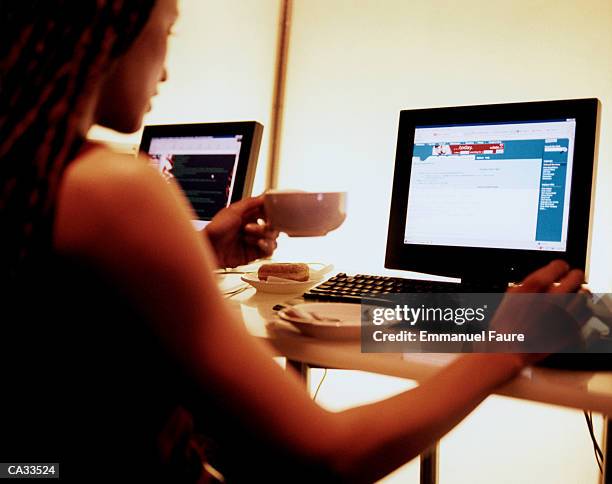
(52,55)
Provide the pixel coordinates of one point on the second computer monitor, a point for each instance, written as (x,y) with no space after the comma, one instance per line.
(492,192)
(214,163)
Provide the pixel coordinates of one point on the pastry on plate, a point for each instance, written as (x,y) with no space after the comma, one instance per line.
(293,271)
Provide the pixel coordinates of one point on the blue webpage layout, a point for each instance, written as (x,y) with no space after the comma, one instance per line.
(491,192)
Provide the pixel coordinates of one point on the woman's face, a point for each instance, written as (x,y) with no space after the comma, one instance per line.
(126,92)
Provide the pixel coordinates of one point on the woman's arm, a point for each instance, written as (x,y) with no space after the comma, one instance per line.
(122,219)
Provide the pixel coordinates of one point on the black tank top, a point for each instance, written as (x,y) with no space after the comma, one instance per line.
(86,384)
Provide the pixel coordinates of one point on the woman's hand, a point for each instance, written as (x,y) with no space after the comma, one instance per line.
(552,323)
(237,237)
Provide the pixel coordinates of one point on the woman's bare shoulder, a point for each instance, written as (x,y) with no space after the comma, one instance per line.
(101,168)
(101,192)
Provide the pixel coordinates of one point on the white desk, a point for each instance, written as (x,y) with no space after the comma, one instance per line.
(576,389)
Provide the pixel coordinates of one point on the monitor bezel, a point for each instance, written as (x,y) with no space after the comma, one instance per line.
(477,263)
(251,132)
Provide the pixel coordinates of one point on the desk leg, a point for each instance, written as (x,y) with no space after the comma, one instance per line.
(302,369)
(429,465)
(606,477)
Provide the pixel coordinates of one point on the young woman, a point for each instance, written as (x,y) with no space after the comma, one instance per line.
(111,317)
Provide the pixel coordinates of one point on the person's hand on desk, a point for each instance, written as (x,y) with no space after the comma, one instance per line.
(236,236)
(555,321)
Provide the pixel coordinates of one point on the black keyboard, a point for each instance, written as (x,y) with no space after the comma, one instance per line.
(345,288)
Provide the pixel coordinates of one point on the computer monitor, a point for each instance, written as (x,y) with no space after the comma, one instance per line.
(214,163)
(492,192)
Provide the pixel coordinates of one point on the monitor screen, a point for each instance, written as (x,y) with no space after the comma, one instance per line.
(504,185)
(213,163)
(204,166)
(492,191)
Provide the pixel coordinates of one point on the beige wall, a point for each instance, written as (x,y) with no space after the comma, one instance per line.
(354,64)
(221,68)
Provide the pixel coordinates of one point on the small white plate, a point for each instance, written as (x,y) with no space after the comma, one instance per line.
(286,287)
(344,320)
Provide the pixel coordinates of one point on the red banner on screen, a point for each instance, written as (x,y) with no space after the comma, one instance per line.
(477,149)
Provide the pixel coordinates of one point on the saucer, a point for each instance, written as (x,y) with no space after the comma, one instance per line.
(278,287)
(288,286)
(332,321)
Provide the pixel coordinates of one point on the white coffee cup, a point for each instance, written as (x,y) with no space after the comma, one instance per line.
(305,214)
